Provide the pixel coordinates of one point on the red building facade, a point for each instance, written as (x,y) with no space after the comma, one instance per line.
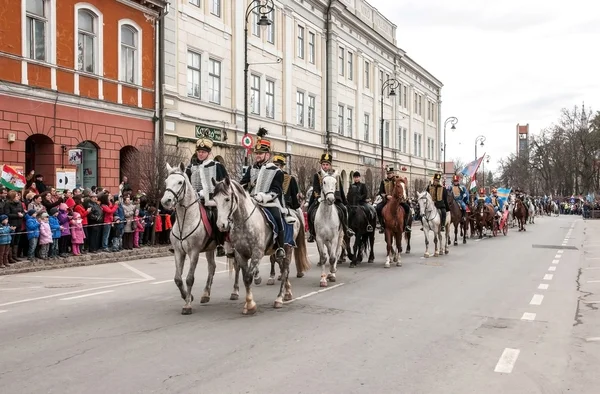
(77,76)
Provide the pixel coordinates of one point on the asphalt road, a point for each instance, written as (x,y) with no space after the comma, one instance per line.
(514,314)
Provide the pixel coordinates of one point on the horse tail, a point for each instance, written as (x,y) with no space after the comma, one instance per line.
(300,252)
(230,265)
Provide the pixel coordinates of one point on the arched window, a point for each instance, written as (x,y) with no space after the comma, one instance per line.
(129,54)
(87,41)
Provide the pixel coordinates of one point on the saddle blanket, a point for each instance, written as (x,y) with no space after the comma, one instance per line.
(206,221)
(288,229)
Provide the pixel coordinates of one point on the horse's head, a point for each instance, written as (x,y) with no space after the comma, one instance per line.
(329,188)
(424,201)
(176,185)
(227,202)
(399,191)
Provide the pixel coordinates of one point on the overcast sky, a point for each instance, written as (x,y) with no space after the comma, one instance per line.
(502,63)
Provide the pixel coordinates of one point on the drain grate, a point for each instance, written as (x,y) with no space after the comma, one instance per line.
(554,247)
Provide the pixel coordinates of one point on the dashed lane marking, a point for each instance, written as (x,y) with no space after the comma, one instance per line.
(3,311)
(536,299)
(86,295)
(593,281)
(593,268)
(528,316)
(555,261)
(560,251)
(543,286)
(551,268)
(507,360)
(314,293)
(593,339)
(548,277)
(557,256)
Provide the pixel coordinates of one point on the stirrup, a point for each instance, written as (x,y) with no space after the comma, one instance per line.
(280,253)
(350,232)
(220,251)
(369,228)
(289,219)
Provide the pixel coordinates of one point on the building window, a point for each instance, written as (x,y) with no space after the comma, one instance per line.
(428,148)
(340,119)
(405,96)
(380,79)
(270,110)
(367,75)
(415,110)
(350,66)
(415,145)
(255,95)
(349,122)
(86,41)
(366,125)
(404,140)
(195,2)
(215,7)
(193,74)
(342,62)
(214,81)
(255,25)
(420,105)
(271,27)
(387,77)
(300,108)
(399,140)
(419,148)
(311,47)
(387,134)
(129,54)
(36,29)
(300,42)
(311,112)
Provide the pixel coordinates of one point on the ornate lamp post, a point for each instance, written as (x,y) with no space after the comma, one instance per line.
(487,160)
(453,121)
(481,140)
(392,84)
(264,8)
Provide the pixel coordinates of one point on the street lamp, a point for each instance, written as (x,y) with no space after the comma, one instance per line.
(481,140)
(264,8)
(487,160)
(453,121)
(392,84)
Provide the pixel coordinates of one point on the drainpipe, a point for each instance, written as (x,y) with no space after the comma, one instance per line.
(327,76)
(159,117)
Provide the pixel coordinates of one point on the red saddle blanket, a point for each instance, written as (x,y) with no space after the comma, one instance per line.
(206,221)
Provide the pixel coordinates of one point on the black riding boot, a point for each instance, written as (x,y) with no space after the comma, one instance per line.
(344,219)
(406,217)
(220,239)
(280,252)
(443,218)
(311,225)
(381,225)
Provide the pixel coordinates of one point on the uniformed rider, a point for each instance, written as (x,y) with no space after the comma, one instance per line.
(201,172)
(495,202)
(264,182)
(461,195)
(290,185)
(340,197)
(385,191)
(357,195)
(439,195)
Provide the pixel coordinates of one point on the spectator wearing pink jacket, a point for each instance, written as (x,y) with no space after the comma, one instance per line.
(45,236)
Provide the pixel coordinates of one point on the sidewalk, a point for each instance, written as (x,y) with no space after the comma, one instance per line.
(146,252)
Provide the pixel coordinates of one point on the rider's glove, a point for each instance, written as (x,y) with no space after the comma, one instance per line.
(259,197)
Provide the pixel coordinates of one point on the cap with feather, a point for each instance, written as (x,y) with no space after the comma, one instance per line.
(262,145)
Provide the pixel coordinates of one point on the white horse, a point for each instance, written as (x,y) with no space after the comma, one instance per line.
(188,237)
(329,234)
(252,238)
(511,209)
(555,209)
(431,221)
(531,209)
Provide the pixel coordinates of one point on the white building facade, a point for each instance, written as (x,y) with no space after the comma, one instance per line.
(315,85)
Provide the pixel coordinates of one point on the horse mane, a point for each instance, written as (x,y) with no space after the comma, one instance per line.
(221,187)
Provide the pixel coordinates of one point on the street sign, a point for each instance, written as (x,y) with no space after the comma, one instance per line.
(247,141)
(209,132)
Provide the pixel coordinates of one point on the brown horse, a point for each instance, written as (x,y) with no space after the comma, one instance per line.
(520,213)
(393,218)
(456,220)
(484,217)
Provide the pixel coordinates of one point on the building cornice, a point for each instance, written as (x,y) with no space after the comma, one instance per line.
(409,62)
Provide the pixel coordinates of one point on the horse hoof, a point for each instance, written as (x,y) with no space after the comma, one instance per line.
(186,310)
(279,277)
(426,255)
(386,265)
(371,261)
(446,252)
(257,281)
(408,251)
(277,304)
(464,241)
(300,275)
(251,310)
(436,255)
(352,265)
(323,283)
(270,282)
(204,299)
(287,297)
(234,297)
(332,279)
(455,243)
(399,264)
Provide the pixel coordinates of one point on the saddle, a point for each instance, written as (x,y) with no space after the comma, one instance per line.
(288,229)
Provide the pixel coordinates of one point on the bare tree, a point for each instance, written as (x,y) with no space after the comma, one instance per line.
(419,184)
(459,165)
(303,166)
(233,160)
(372,178)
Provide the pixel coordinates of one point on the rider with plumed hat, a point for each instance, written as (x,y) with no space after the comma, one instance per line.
(495,201)
(460,194)
(439,195)
(264,182)
(385,191)
(290,185)
(201,172)
(340,197)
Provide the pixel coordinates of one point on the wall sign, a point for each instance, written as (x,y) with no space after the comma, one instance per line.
(209,132)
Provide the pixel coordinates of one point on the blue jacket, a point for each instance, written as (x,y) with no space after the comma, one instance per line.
(33,227)
(463,198)
(488,200)
(5,236)
(54,227)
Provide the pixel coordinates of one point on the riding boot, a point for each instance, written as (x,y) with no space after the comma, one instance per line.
(381,224)
(311,225)
(344,220)
(220,239)
(280,252)
(443,223)
(406,218)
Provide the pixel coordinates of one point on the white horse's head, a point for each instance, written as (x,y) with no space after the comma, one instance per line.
(175,185)
(226,201)
(329,188)
(425,201)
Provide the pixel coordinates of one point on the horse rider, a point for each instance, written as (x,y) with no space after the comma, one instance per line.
(264,182)
(340,198)
(357,195)
(385,191)
(495,202)
(201,172)
(290,185)
(461,195)
(439,195)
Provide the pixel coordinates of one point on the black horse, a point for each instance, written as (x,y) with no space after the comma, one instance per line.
(363,224)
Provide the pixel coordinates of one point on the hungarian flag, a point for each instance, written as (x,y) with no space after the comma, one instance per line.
(11,179)
(473,186)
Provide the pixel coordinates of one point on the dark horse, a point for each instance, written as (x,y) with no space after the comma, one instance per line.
(364,241)
(393,218)
(484,217)
(520,213)
(456,220)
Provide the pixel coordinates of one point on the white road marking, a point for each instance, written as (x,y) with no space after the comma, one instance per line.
(560,251)
(548,277)
(536,299)
(314,293)
(137,271)
(593,339)
(71,277)
(551,268)
(528,316)
(162,281)
(86,295)
(477,240)
(73,292)
(591,302)
(555,261)
(592,258)
(593,268)
(543,286)
(557,256)
(593,281)
(3,311)
(507,360)
(20,288)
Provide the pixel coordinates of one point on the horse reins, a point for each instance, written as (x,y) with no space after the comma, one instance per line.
(177,196)
(237,205)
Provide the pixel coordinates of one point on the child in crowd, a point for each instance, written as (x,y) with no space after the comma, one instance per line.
(55,227)
(65,231)
(77,234)
(139,229)
(33,233)
(118,227)
(148,224)
(5,239)
(45,236)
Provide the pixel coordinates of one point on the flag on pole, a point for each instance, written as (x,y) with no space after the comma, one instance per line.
(471,169)
(473,186)
(503,193)
(11,179)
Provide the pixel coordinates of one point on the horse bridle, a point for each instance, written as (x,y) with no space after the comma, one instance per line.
(328,193)
(181,192)
(235,200)
(426,207)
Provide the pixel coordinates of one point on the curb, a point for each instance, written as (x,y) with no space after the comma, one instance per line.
(88,260)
